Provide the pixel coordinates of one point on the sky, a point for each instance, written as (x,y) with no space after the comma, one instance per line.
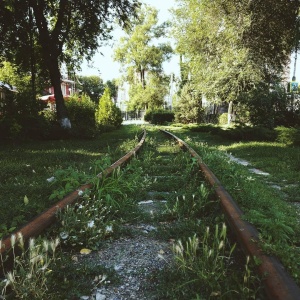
(107,69)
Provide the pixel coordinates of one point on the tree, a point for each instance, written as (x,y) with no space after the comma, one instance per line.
(93,86)
(151,96)
(188,108)
(63,31)
(140,56)
(108,113)
(113,87)
(231,46)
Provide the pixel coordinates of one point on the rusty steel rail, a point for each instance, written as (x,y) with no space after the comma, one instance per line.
(278,283)
(46,218)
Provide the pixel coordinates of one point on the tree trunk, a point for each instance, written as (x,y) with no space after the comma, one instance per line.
(230,112)
(62,113)
(51,49)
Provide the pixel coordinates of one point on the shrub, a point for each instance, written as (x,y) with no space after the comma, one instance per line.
(159,116)
(148,115)
(247,133)
(223,119)
(82,115)
(108,113)
(288,136)
(189,108)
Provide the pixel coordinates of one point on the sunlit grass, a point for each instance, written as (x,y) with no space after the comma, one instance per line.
(25,168)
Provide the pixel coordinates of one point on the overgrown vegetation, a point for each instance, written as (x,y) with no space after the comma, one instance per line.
(28,170)
(263,200)
(207,262)
(108,113)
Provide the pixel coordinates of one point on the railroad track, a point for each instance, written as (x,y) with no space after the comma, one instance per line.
(277,283)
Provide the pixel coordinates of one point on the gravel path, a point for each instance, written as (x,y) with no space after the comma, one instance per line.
(136,260)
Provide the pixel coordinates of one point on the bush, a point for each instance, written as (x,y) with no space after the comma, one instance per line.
(188,108)
(247,133)
(223,119)
(287,118)
(20,117)
(148,115)
(288,136)
(159,116)
(108,113)
(81,111)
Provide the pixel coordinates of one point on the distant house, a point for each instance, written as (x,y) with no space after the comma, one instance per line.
(68,88)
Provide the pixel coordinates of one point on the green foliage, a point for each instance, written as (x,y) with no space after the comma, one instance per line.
(85,225)
(223,119)
(238,133)
(151,95)
(143,57)
(204,268)
(92,86)
(74,30)
(229,47)
(159,116)
(68,181)
(21,118)
(288,136)
(82,115)
(137,50)
(189,206)
(188,109)
(29,278)
(108,113)
(262,105)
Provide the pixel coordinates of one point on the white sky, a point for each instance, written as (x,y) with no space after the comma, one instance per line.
(107,69)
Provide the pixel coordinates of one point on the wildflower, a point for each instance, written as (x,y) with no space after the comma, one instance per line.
(51,179)
(46,245)
(13,240)
(91,224)
(80,192)
(108,229)
(11,277)
(221,245)
(31,244)
(20,239)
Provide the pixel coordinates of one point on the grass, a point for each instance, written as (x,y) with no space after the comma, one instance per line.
(25,168)
(269,209)
(190,208)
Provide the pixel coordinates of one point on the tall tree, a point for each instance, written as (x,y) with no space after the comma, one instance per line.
(139,51)
(65,31)
(230,46)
